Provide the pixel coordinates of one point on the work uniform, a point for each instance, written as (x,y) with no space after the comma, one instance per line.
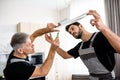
(18,68)
(95,54)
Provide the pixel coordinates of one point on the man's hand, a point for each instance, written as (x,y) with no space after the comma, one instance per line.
(97,21)
(51,25)
(48,38)
(55,43)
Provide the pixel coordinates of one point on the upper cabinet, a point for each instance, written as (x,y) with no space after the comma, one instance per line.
(29,28)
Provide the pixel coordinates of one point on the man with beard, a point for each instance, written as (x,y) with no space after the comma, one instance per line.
(94,50)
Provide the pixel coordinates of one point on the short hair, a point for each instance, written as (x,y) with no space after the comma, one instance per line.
(75,23)
(18,39)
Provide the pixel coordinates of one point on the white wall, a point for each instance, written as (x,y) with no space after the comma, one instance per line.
(82,6)
(14,11)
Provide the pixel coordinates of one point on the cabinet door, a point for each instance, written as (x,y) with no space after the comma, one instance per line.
(29,28)
(80,77)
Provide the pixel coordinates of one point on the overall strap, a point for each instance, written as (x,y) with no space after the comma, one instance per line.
(91,41)
(18,60)
(81,45)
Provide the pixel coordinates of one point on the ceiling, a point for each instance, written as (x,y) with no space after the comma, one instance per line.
(55,4)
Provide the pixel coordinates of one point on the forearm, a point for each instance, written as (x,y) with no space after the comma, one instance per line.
(48,62)
(39,32)
(63,53)
(112,38)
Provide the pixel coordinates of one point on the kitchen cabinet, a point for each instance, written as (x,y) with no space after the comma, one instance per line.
(80,77)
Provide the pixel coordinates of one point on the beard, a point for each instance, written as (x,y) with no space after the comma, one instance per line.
(79,34)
